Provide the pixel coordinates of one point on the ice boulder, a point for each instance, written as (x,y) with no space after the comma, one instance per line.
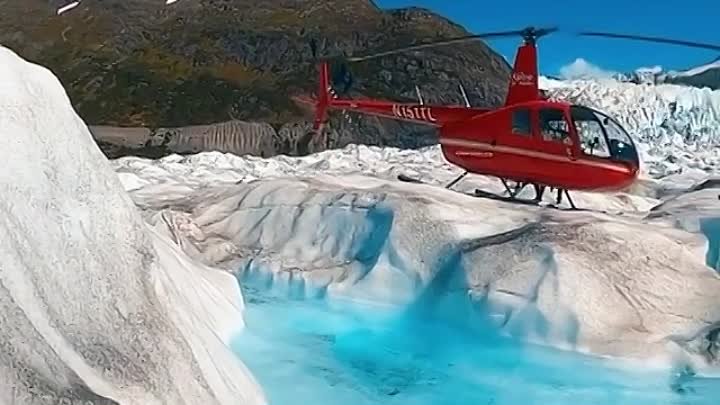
(95,306)
(697,210)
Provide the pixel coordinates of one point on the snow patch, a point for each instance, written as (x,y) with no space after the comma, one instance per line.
(67,7)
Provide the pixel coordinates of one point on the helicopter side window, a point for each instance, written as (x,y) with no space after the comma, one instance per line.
(521,122)
(591,132)
(553,125)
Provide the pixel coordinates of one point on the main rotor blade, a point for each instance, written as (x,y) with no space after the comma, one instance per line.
(528,31)
(653,39)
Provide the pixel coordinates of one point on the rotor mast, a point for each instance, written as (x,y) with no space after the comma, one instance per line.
(524,84)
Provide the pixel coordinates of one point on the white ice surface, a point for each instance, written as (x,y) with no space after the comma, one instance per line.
(96,307)
(338,224)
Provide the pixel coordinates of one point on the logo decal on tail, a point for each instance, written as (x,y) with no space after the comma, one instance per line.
(522,79)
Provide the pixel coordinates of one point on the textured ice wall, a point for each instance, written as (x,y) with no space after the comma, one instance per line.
(95,307)
(587,281)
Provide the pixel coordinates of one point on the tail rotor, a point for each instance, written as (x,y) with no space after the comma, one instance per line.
(333,74)
(329,79)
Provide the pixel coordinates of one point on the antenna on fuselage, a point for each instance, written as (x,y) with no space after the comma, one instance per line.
(465,97)
(419,95)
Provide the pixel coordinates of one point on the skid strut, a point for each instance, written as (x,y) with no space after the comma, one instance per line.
(512,191)
(520,186)
(560,193)
(454,182)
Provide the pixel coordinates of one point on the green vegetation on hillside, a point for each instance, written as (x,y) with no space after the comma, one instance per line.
(140,63)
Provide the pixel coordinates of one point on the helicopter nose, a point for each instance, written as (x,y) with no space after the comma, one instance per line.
(634,168)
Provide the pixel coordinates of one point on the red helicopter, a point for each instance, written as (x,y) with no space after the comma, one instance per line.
(530,140)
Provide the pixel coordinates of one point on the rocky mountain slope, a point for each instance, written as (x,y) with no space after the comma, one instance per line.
(142,63)
(706,75)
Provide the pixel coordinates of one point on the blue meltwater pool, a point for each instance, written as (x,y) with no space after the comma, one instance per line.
(311,352)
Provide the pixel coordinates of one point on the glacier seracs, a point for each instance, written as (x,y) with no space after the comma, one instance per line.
(97,307)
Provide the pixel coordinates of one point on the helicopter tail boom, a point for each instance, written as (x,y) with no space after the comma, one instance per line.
(419,113)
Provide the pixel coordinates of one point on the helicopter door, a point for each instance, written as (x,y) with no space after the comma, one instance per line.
(521,122)
(554,132)
(521,135)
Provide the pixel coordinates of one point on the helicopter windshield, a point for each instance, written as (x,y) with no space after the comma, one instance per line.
(602,137)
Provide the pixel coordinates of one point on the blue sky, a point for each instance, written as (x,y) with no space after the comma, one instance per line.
(695,20)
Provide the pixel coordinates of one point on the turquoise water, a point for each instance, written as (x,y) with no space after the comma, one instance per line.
(310,352)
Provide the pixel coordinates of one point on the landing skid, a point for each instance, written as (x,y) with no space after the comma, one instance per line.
(512,193)
(485,194)
(408,179)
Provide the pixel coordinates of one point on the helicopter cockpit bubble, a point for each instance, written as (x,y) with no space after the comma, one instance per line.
(602,137)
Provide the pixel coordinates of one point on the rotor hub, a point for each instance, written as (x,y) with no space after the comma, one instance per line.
(531,34)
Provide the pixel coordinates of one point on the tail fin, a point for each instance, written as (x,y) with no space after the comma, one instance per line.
(321,104)
(323,97)
(524,79)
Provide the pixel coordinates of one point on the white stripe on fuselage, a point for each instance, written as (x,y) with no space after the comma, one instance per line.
(486,147)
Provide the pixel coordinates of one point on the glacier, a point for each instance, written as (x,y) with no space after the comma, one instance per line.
(359,288)
(97,306)
(624,281)
(352,266)
(377,241)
